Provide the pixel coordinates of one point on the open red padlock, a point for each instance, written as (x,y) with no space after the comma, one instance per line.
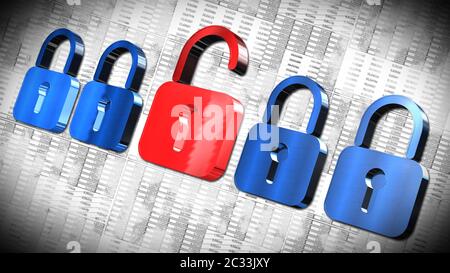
(190,129)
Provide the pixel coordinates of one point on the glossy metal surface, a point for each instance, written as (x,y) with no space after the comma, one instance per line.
(202,158)
(199,42)
(106,115)
(385,104)
(388,202)
(46,98)
(289,173)
(197,155)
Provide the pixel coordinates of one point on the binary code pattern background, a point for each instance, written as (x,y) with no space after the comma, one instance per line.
(60,195)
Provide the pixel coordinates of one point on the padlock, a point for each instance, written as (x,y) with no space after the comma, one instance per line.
(106,115)
(280,164)
(174,138)
(376,191)
(46,98)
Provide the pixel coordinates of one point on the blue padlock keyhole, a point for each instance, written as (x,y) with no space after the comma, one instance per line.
(102,107)
(278,155)
(375,180)
(42,94)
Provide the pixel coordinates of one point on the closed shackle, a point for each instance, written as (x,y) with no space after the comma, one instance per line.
(288,86)
(381,106)
(110,56)
(51,44)
(199,42)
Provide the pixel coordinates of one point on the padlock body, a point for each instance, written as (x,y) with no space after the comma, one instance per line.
(297,172)
(201,156)
(393,207)
(61,91)
(119,120)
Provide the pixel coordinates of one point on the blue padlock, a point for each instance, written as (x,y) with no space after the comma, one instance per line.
(285,169)
(106,115)
(46,98)
(376,191)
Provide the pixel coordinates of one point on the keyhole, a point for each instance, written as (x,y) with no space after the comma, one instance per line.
(42,92)
(182,126)
(102,106)
(375,180)
(178,145)
(278,154)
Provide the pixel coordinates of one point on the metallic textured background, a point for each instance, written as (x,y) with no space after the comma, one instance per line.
(55,190)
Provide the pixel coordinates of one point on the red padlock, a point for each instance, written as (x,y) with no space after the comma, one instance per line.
(190,129)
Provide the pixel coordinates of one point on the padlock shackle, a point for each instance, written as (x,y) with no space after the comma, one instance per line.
(288,86)
(199,42)
(110,56)
(387,103)
(52,42)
